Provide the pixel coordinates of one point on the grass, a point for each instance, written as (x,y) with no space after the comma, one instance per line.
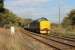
(63,32)
(11,42)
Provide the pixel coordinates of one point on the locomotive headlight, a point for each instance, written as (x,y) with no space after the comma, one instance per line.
(43,31)
(48,31)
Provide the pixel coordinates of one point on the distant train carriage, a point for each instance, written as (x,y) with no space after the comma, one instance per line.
(41,25)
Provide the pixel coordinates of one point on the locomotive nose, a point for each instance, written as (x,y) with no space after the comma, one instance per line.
(45,30)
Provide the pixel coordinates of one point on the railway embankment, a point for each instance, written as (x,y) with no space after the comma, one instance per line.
(19,41)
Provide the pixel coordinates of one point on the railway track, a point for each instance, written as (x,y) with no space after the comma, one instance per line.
(29,34)
(62,40)
(65,38)
(58,44)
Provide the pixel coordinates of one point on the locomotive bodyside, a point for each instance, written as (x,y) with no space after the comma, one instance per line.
(34,26)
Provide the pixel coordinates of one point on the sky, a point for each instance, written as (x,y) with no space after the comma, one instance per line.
(41,8)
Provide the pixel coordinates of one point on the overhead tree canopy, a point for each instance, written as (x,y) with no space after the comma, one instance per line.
(1,5)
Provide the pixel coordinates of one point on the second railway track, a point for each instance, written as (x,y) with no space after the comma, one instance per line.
(59,39)
(66,38)
(56,43)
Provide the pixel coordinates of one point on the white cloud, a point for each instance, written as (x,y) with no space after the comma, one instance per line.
(24,3)
(29,1)
(48,8)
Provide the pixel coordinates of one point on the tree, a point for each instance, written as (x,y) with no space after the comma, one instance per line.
(70,19)
(1,5)
(7,18)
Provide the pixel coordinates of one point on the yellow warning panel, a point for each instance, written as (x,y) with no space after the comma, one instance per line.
(45,24)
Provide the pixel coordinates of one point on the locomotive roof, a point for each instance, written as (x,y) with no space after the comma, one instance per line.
(42,19)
